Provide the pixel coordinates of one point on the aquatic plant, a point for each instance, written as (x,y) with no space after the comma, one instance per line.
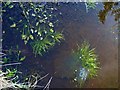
(4,83)
(9,79)
(41,46)
(5,77)
(88,63)
(10,73)
(13,52)
(90,5)
(30,83)
(88,59)
(36,22)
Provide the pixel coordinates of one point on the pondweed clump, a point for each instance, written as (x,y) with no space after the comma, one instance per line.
(42,45)
(89,64)
(88,59)
(36,23)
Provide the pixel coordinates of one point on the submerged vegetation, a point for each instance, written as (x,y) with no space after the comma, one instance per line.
(88,59)
(41,46)
(89,63)
(35,24)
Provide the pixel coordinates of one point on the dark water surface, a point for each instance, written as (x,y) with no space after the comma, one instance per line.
(100,36)
(77,26)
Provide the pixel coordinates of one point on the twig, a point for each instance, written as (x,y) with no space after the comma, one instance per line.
(38,80)
(10,64)
(48,84)
(2,54)
(43,77)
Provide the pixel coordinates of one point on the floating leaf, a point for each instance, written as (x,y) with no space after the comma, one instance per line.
(27,13)
(52,8)
(46,18)
(31,30)
(33,14)
(24,37)
(31,36)
(45,32)
(28,38)
(23,58)
(35,31)
(51,24)
(20,21)
(11,73)
(39,33)
(13,25)
(26,26)
(10,18)
(25,41)
(3,10)
(37,23)
(11,6)
(51,30)
(41,21)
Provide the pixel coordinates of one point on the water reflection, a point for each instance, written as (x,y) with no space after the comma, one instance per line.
(109,7)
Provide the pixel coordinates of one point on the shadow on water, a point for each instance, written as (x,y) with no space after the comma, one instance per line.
(77,26)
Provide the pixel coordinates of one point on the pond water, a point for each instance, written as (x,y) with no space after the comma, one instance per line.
(77,25)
